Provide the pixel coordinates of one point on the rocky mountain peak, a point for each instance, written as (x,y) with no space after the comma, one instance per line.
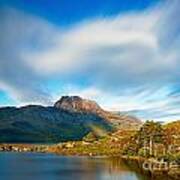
(77,104)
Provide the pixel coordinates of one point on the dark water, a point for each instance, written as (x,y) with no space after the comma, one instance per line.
(34,166)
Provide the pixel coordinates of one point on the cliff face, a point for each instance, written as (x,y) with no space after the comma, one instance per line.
(78,104)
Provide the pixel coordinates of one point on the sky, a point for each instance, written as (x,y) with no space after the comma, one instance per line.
(123,54)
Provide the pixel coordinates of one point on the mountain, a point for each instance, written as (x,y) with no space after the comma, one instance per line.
(71,118)
(78,104)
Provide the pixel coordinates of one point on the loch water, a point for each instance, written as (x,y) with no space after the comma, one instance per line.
(37,166)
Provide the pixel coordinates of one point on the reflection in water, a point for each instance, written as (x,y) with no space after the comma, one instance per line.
(32,166)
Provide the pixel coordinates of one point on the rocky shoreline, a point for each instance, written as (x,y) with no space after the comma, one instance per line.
(22,148)
(153,167)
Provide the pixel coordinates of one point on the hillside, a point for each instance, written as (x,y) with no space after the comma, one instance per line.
(175,125)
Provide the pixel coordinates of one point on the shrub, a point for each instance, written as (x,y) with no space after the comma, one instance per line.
(144,152)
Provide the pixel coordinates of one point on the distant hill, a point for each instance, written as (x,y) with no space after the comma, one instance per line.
(173,127)
(175,124)
(71,118)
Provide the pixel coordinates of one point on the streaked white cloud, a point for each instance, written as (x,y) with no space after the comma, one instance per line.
(19,32)
(93,44)
(115,49)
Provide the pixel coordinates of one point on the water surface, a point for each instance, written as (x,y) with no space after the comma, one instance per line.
(35,166)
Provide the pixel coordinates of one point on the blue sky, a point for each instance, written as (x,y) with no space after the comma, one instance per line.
(123,54)
(70,11)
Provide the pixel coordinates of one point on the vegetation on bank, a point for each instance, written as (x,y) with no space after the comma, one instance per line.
(93,145)
(156,140)
(152,140)
(159,146)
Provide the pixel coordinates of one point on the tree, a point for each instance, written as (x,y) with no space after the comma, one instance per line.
(150,133)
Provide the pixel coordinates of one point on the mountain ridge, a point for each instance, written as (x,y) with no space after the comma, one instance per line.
(61,122)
